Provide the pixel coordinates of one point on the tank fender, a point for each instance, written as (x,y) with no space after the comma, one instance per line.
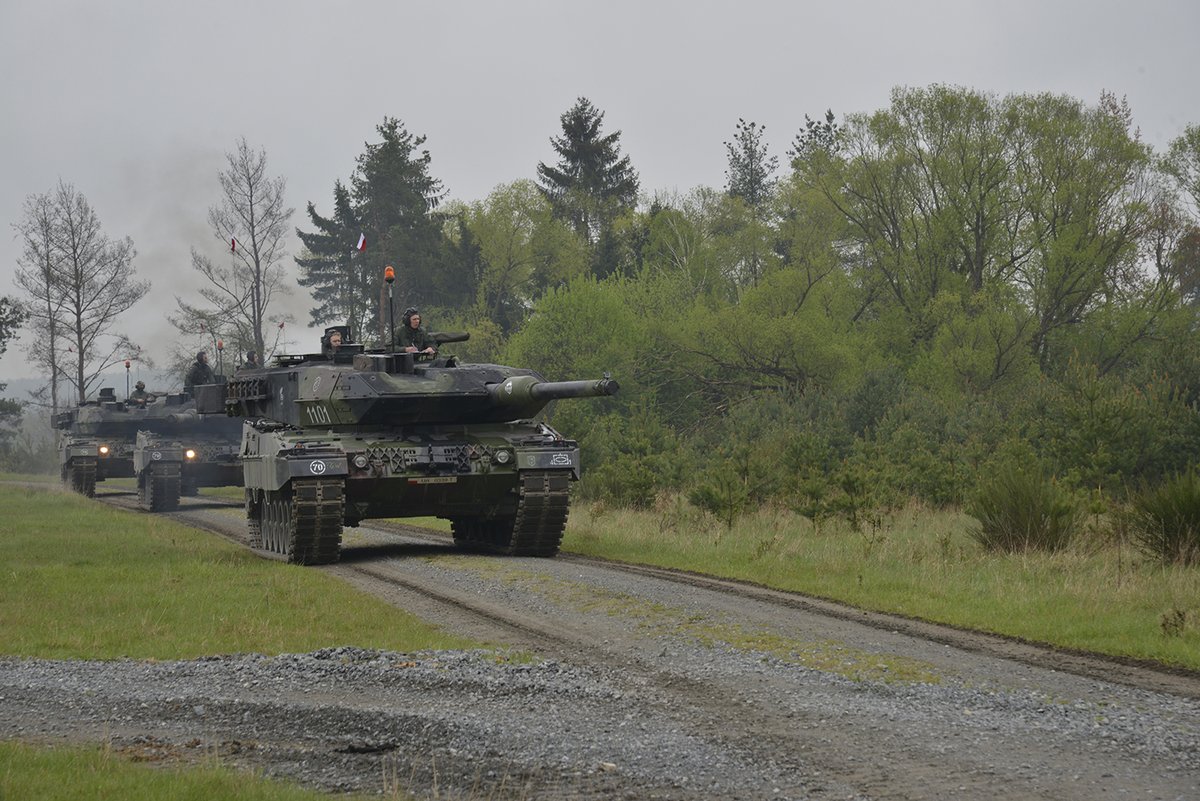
(269,461)
(77,449)
(543,458)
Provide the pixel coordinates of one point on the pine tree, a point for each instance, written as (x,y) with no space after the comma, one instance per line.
(392,201)
(750,168)
(592,183)
(396,198)
(816,137)
(343,281)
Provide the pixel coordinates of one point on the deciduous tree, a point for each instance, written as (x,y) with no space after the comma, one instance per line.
(12,316)
(251,220)
(81,281)
(36,275)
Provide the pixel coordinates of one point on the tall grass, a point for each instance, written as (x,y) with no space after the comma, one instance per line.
(1023,510)
(1165,519)
(1096,594)
(84,580)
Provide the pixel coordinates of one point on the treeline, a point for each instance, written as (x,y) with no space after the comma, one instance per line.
(902,302)
(954,286)
(951,288)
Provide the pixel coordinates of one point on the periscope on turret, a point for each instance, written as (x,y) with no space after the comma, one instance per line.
(337,437)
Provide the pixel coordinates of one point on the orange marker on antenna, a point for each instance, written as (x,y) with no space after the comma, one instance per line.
(389,274)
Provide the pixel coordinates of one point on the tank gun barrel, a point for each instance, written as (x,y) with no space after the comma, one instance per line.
(183,417)
(550,390)
(526,393)
(442,337)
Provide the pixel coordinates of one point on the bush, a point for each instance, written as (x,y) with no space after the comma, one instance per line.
(628,458)
(1022,510)
(1165,519)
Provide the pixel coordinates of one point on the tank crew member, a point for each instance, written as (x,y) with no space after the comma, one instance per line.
(412,337)
(251,361)
(139,394)
(335,341)
(200,373)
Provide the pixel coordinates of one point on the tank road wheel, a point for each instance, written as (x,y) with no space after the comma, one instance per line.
(276,521)
(81,476)
(468,533)
(305,523)
(536,529)
(254,519)
(161,481)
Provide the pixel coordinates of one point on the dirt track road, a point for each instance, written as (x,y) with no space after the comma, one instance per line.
(648,684)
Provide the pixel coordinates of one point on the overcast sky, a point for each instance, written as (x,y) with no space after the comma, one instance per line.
(135,103)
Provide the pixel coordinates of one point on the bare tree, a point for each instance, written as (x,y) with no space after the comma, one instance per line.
(251,220)
(80,281)
(36,275)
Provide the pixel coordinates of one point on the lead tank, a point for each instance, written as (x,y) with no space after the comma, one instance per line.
(331,439)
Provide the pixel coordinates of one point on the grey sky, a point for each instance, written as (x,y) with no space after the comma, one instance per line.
(136,102)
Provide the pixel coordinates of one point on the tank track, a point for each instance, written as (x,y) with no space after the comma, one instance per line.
(158,490)
(303,522)
(81,476)
(254,520)
(535,530)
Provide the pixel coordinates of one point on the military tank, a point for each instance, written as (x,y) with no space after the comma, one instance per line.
(334,438)
(161,441)
(98,439)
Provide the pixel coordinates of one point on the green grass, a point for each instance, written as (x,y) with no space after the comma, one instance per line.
(1095,595)
(36,478)
(81,580)
(69,774)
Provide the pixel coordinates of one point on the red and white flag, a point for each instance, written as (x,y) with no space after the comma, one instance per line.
(362,243)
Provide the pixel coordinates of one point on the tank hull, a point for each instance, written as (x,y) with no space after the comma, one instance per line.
(489,480)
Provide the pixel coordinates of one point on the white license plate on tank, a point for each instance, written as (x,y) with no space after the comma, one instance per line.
(434,480)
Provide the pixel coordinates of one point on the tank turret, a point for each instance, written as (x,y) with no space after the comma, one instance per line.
(371,389)
(350,434)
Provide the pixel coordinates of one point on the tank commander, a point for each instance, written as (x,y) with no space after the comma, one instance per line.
(412,337)
(200,373)
(251,361)
(335,341)
(139,394)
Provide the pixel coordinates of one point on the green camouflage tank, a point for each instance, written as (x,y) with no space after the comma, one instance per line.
(161,442)
(333,439)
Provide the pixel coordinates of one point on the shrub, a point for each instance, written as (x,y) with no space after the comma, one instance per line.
(1021,510)
(1165,519)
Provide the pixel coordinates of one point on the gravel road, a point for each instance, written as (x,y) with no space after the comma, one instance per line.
(639,684)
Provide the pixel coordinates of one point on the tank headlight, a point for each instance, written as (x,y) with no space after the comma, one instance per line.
(502,457)
(104,450)
(361,461)
(189,453)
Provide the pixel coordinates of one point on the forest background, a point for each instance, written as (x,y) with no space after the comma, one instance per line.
(953,287)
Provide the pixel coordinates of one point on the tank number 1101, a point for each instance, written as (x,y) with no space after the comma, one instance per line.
(318,414)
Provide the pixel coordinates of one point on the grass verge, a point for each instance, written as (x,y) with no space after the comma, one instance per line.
(68,774)
(1096,595)
(81,580)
